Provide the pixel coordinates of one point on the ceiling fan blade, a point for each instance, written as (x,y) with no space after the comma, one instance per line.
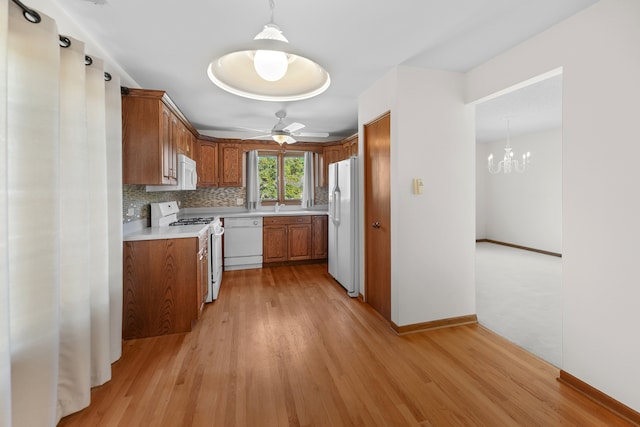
(266,136)
(293,127)
(312,134)
(236,129)
(290,140)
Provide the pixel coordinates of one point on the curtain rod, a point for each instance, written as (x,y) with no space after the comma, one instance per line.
(34,17)
(28,13)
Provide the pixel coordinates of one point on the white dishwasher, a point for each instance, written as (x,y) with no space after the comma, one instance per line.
(242,243)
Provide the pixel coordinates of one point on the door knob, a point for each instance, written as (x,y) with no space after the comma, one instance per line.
(376,224)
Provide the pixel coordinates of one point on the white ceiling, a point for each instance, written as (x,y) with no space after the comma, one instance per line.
(166,44)
(532,108)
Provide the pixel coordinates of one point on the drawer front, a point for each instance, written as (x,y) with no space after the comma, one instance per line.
(280,220)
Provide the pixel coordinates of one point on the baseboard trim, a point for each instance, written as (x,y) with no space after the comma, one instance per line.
(291,263)
(599,397)
(434,324)
(511,245)
(361,297)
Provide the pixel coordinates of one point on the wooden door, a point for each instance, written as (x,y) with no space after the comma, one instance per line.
(377,217)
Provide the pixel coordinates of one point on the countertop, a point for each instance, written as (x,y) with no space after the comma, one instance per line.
(187,231)
(248,214)
(158,233)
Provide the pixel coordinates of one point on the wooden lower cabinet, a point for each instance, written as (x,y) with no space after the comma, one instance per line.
(299,240)
(163,288)
(320,236)
(274,242)
(294,238)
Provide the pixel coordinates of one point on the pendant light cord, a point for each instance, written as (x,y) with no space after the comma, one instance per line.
(272,5)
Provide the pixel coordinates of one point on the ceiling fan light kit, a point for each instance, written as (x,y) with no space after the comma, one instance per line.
(269,69)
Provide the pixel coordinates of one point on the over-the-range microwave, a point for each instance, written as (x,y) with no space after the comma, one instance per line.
(187,176)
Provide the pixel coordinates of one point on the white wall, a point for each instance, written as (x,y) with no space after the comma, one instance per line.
(482,152)
(598,50)
(68,27)
(523,209)
(432,244)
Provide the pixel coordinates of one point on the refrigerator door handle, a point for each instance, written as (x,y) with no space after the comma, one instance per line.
(336,206)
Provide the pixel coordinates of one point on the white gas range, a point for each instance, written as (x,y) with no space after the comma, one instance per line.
(164,216)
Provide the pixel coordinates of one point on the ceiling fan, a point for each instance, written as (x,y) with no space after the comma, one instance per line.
(282,133)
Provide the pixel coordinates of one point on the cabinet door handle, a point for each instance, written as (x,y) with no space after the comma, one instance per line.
(376,224)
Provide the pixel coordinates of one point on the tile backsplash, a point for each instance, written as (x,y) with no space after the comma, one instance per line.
(135,197)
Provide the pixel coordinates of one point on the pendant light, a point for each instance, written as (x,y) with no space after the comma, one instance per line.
(269,69)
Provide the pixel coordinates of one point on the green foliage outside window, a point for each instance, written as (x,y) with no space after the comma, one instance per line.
(270,166)
(293,177)
(268,177)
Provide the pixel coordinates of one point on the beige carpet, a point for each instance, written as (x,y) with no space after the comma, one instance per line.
(519,296)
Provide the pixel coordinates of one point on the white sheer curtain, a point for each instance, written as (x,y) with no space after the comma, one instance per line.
(61,280)
(5,350)
(308,184)
(253,184)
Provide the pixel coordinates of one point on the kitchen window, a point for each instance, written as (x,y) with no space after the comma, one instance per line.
(281,177)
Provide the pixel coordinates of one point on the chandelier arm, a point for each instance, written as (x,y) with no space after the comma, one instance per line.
(497,170)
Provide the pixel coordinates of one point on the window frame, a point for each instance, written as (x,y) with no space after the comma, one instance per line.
(280,176)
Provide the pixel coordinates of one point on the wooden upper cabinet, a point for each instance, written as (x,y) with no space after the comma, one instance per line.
(185,140)
(230,164)
(147,152)
(350,147)
(154,132)
(330,154)
(207,164)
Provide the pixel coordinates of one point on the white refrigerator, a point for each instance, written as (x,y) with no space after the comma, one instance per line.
(343,225)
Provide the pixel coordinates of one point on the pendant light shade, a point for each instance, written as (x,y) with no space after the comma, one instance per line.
(269,69)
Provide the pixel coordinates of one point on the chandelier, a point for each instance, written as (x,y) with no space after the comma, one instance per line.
(269,69)
(508,163)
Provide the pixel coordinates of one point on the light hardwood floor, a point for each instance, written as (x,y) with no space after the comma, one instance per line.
(285,346)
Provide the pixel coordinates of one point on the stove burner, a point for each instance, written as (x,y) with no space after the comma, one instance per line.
(192,221)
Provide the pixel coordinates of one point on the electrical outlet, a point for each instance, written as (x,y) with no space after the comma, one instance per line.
(239,202)
(130,211)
